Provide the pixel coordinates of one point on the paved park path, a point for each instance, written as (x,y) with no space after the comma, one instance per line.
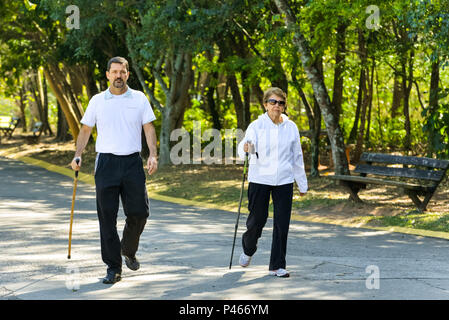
(185,251)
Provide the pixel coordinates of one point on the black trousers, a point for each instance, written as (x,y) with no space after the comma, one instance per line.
(120,177)
(258,203)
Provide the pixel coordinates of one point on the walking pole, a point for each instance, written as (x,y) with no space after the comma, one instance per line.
(73,205)
(240,205)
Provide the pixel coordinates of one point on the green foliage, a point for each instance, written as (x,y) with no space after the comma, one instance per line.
(245,38)
(7,106)
(196,114)
(436,128)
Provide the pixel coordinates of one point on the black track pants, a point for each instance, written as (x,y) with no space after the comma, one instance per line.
(258,202)
(120,177)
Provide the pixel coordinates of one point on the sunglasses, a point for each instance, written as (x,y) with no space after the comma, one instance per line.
(274,101)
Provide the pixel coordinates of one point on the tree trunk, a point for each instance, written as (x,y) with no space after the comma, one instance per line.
(62,134)
(73,89)
(361,132)
(91,85)
(280,79)
(397,97)
(178,68)
(353,134)
(231,46)
(34,104)
(434,81)
(315,127)
(78,76)
(178,97)
(37,92)
(211,102)
(258,93)
(407,82)
(47,127)
(337,97)
(246,90)
(314,119)
(238,103)
(319,88)
(379,118)
(40,94)
(168,125)
(22,93)
(365,94)
(433,99)
(58,88)
(370,105)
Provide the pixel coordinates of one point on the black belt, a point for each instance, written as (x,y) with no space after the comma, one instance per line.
(135,154)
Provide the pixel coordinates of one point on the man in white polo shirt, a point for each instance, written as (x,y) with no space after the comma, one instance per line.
(119,113)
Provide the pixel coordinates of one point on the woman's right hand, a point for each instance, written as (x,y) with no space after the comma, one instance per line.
(248,147)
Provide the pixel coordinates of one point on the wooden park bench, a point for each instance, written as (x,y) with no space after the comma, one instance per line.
(37,131)
(418,176)
(7,125)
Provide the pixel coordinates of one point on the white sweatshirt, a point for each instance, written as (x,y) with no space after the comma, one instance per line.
(279,157)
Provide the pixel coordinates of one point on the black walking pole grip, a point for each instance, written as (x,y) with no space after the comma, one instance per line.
(77,160)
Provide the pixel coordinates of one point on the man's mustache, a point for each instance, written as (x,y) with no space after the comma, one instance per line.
(119,83)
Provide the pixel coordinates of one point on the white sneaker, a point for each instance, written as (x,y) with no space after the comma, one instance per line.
(244,260)
(282,273)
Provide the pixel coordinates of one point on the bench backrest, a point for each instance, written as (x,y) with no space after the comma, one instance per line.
(5,121)
(37,126)
(9,122)
(425,168)
(37,129)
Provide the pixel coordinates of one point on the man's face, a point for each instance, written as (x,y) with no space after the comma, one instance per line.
(117,75)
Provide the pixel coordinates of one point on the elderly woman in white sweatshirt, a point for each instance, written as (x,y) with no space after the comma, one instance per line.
(275,163)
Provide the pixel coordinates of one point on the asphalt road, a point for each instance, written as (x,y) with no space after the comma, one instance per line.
(184,253)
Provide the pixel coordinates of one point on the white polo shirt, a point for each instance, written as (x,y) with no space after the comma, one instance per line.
(119,120)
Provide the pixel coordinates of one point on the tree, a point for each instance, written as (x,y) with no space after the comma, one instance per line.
(35,40)
(434,18)
(316,79)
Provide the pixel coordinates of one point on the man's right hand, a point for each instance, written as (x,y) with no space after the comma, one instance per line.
(76,164)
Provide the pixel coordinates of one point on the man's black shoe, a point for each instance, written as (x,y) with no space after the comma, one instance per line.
(112,277)
(132,263)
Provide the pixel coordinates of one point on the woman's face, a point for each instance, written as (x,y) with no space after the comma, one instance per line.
(275,105)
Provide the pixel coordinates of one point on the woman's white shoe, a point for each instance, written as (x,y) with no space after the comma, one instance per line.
(244,260)
(282,273)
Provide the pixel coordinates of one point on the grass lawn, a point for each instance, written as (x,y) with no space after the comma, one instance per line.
(219,185)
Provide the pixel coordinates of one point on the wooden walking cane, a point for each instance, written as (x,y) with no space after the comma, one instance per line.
(240,205)
(73,205)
